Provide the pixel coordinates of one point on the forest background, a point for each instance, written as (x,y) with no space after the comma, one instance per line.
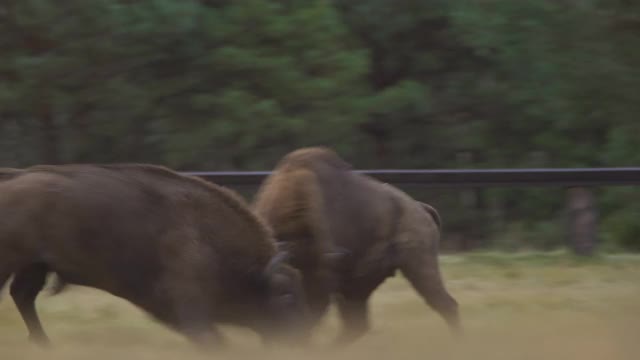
(394,84)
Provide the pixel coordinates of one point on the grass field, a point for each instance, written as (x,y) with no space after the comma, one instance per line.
(529,306)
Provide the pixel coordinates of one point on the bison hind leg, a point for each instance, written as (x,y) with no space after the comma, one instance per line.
(422,270)
(25,287)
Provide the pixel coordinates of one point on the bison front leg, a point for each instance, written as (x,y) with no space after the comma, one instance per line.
(59,285)
(198,332)
(204,336)
(4,276)
(192,321)
(420,267)
(353,309)
(24,289)
(189,316)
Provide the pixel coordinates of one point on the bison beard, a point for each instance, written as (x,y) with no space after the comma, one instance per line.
(317,205)
(188,252)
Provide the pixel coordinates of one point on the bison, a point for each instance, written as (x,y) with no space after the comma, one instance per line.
(188,252)
(315,203)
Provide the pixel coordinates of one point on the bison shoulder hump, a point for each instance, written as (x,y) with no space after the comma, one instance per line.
(310,156)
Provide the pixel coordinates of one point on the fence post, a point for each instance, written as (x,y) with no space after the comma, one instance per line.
(582,221)
(473,203)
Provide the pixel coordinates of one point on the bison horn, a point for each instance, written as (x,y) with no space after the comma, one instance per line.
(284,246)
(279,258)
(336,254)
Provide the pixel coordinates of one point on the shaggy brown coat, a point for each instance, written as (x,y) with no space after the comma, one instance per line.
(315,203)
(186,251)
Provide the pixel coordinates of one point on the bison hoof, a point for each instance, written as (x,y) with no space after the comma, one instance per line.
(211,343)
(40,340)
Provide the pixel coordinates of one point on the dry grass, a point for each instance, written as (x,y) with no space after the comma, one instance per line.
(513,307)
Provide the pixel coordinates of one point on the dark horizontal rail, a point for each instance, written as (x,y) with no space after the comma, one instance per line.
(563,177)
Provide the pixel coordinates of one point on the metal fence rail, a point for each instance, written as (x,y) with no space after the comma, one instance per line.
(563,177)
(582,219)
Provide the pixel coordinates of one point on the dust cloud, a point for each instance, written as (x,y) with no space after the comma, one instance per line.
(512,308)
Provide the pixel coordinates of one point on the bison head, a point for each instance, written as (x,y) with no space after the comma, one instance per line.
(287,308)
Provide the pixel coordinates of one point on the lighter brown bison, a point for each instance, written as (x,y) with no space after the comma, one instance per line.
(317,204)
(189,253)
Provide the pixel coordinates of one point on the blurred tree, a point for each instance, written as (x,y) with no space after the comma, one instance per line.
(218,84)
(418,67)
(185,83)
(270,77)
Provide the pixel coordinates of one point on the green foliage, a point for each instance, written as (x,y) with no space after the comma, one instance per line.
(179,82)
(211,84)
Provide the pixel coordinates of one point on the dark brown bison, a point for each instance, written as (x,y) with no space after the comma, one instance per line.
(315,203)
(188,252)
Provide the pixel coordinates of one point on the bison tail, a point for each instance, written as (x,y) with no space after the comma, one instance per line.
(433,212)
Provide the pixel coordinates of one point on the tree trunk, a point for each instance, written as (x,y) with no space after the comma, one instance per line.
(582,221)
(49,136)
